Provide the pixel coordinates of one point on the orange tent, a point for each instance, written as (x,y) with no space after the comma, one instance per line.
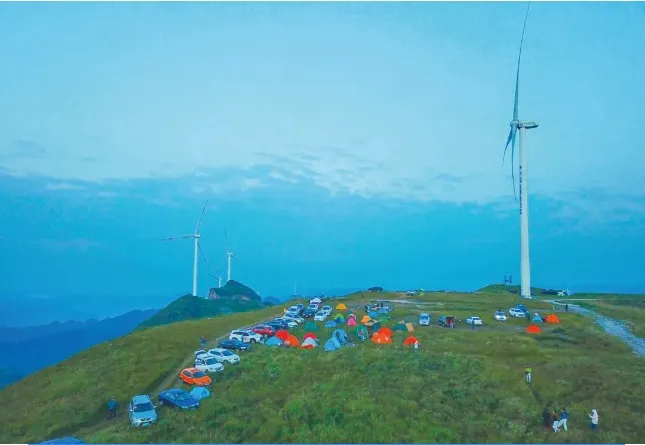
(381,339)
(410,341)
(309,335)
(282,335)
(292,341)
(533,329)
(386,331)
(366,319)
(552,318)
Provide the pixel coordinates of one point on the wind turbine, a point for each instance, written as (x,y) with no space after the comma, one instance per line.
(521,126)
(196,236)
(229,257)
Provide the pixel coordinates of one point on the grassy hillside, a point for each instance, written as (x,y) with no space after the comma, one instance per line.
(189,307)
(235,289)
(463,386)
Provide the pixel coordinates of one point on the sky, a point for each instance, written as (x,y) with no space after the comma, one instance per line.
(340,145)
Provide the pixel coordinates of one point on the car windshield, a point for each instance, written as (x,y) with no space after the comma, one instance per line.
(211,361)
(227,353)
(424,317)
(198,374)
(143,407)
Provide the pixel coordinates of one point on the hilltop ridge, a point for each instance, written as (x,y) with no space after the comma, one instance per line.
(233,290)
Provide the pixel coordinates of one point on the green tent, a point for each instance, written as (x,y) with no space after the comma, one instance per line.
(361,331)
(338,318)
(311,326)
(375,327)
(383,317)
(400,326)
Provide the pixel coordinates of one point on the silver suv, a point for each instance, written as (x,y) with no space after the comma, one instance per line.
(142,411)
(424,319)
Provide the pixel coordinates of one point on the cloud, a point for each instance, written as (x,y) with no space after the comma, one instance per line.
(77,245)
(64,186)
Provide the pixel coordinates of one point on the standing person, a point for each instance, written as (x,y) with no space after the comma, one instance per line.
(203,342)
(566,307)
(112,408)
(472,325)
(264,338)
(594,419)
(527,373)
(416,346)
(546,419)
(554,420)
(563,419)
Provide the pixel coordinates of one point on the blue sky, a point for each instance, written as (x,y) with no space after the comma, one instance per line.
(341,146)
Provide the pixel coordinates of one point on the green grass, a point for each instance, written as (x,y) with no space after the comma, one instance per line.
(462,386)
(629,309)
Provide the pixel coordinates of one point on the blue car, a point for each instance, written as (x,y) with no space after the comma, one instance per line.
(178,398)
(65,440)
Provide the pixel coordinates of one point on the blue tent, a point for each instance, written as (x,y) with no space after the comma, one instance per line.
(536,318)
(382,311)
(332,344)
(199,393)
(340,335)
(372,314)
(274,341)
(330,324)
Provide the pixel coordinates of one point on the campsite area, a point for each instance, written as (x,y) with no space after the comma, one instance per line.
(463,385)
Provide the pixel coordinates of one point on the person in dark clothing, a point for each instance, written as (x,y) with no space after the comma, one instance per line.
(203,342)
(112,408)
(546,419)
(566,307)
(472,325)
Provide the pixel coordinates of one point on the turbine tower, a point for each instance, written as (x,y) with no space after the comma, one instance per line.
(521,126)
(229,257)
(196,236)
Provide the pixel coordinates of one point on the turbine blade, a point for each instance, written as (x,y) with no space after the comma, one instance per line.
(203,256)
(517,73)
(199,221)
(513,163)
(226,240)
(178,237)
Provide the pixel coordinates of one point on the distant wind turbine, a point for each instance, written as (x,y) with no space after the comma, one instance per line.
(522,126)
(196,236)
(229,256)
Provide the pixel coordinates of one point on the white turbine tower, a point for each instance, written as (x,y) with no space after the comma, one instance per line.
(229,257)
(196,235)
(522,126)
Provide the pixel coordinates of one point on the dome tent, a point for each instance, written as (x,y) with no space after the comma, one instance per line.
(330,324)
(332,345)
(274,341)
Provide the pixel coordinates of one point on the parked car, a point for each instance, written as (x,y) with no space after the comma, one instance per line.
(290,323)
(224,355)
(327,308)
(313,306)
(178,398)
(294,317)
(200,352)
(301,307)
(277,325)
(447,321)
(424,319)
(264,330)
(141,411)
(208,364)
(320,316)
(245,336)
(518,313)
(309,313)
(234,344)
(500,316)
(474,320)
(194,376)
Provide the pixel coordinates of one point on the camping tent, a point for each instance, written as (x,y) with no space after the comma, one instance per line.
(341,307)
(552,318)
(365,319)
(351,322)
(292,341)
(311,326)
(309,343)
(386,331)
(340,335)
(382,317)
(375,327)
(274,341)
(361,332)
(372,314)
(410,341)
(330,324)
(351,316)
(533,329)
(339,318)
(382,311)
(381,339)
(402,326)
(332,344)
(199,393)
(310,335)
(282,334)
(536,318)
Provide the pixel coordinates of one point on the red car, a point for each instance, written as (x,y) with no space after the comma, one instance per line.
(263,330)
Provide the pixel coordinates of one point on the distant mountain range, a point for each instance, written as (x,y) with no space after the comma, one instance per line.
(29,349)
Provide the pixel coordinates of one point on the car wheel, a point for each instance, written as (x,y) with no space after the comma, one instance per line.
(253,341)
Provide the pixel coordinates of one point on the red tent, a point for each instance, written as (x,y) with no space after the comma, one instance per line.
(386,331)
(282,334)
(533,329)
(309,335)
(410,341)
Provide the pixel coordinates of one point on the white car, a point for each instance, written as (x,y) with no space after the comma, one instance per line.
(514,312)
(290,323)
(295,310)
(474,321)
(313,306)
(295,317)
(224,355)
(200,352)
(327,308)
(320,316)
(245,336)
(208,363)
(424,319)
(500,316)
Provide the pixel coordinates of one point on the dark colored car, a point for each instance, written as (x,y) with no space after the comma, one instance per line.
(234,345)
(178,398)
(301,307)
(278,324)
(65,440)
(446,321)
(264,330)
(309,313)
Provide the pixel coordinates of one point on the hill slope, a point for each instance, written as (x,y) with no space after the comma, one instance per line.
(234,289)
(463,386)
(189,307)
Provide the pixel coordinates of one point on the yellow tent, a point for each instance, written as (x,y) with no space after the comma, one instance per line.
(366,319)
(341,307)
(285,310)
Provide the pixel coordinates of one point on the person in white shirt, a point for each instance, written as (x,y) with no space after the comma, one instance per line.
(594,419)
